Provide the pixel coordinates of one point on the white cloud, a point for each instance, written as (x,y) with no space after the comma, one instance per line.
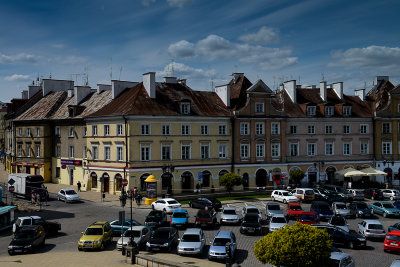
(179,3)
(265,35)
(381,57)
(148,2)
(183,71)
(17,77)
(20,58)
(58,46)
(70,59)
(182,49)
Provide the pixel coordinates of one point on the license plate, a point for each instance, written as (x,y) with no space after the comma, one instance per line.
(203,224)
(394,244)
(156,249)
(87,246)
(18,250)
(251,229)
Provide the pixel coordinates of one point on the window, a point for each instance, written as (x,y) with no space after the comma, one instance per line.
(145,152)
(222,151)
(204,151)
(71,151)
(120,152)
(37,131)
(386,148)
(275,150)
(260,128)
(107,152)
(85,131)
(94,130)
(85,152)
(185,152)
(311,111)
(120,129)
(95,152)
(259,107)
(19,131)
(364,148)
(222,129)
(185,108)
(294,149)
(275,128)
(311,129)
(185,129)
(347,149)
(165,152)
(58,150)
(204,129)
(58,171)
(244,128)
(19,150)
(71,132)
(346,111)
(346,129)
(145,129)
(165,130)
(363,128)
(311,149)
(37,150)
(386,128)
(244,151)
(28,132)
(328,129)
(329,149)
(328,111)
(106,130)
(293,129)
(260,150)
(28,150)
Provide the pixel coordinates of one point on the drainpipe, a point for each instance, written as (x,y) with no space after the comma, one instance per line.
(126,145)
(233,143)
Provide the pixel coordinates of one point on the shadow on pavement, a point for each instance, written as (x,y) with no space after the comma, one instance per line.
(47,214)
(59,234)
(45,249)
(241,255)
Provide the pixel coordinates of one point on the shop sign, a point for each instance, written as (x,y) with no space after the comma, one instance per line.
(27,164)
(71,162)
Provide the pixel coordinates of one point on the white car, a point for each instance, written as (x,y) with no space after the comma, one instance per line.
(283,196)
(140,235)
(276,222)
(340,259)
(192,242)
(251,209)
(68,195)
(229,216)
(371,228)
(167,205)
(392,194)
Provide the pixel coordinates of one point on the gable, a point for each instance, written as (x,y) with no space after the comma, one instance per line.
(259,87)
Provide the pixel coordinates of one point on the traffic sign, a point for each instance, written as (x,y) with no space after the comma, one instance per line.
(11,188)
(11,181)
(124,182)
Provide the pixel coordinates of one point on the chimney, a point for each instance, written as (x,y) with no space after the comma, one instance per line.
(224,92)
(281,86)
(70,92)
(149,83)
(50,85)
(237,75)
(322,91)
(118,86)
(170,80)
(103,87)
(182,81)
(24,94)
(290,88)
(381,79)
(80,92)
(33,89)
(360,93)
(338,88)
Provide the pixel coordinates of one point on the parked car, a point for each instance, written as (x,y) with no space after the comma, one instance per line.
(229,216)
(395,263)
(397,204)
(51,228)
(68,195)
(371,228)
(140,234)
(340,237)
(334,198)
(156,218)
(304,194)
(339,221)
(385,209)
(180,218)
(392,242)
(308,217)
(251,224)
(340,259)
(192,242)
(277,222)
(373,194)
(322,192)
(392,194)
(394,227)
(283,196)
(272,208)
(322,209)
(359,209)
(339,190)
(96,236)
(251,209)
(205,203)
(205,218)
(163,238)
(217,249)
(340,208)
(116,226)
(167,205)
(293,210)
(27,239)
(358,194)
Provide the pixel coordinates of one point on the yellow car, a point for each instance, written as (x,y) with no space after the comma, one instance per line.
(96,236)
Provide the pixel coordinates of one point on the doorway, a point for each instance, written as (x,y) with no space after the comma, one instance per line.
(106,183)
(261,178)
(187,182)
(71,176)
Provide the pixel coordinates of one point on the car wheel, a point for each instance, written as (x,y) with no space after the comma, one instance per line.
(350,245)
(284,201)
(190,204)
(43,243)
(80,249)
(385,214)
(220,222)
(165,210)
(391,198)
(58,198)
(273,199)
(152,207)
(385,250)
(11,253)
(102,246)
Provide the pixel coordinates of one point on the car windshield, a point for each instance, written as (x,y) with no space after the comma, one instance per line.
(309,192)
(274,207)
(132,233)
(172,202)
(161,234)
(362,205)
(253,211)
(341,206)
(393,238)
(190,238)
(179,215)
(70,192)
(287,194)
(154,215)
(333,263)
(295,208)
(250,219)
(221,241)
(375,226)
(233,212)
(338,220)
(24,235)
(203,214)
(278,220)
(388,205)
(307,218)
(94,231)
(324,207)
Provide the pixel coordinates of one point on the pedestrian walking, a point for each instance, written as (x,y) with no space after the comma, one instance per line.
(138,199)
(79,186)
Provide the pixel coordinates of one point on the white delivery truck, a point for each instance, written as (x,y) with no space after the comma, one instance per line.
(25,184)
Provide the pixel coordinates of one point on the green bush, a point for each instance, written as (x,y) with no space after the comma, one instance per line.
(229,180)
(297,176)
(297,245)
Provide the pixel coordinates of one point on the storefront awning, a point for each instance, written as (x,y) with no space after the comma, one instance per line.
(372,171)
(6,209)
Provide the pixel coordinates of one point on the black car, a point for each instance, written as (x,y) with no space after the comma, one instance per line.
(359,209)
(322,194)
(251,224)
(340,237)
(205,203)
(394,227)
(164,238)
(322,209)
(156,218)
(373,194)
(27,239)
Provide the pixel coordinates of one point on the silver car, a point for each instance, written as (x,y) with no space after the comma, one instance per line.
(229,216)
(340,208)
(277,221)
(68,195)
(217,249)
(272,208)
(371,228)
(340,259)
(140,235)
(192,242)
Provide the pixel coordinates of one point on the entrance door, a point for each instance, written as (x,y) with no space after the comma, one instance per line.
(246,181)
(261,178)
(312,179)
(71,176)
(187,182)
(106,181)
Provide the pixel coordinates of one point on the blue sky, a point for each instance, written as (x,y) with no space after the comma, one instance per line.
(199,40)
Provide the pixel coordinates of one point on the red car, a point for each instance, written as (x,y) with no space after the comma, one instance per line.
(392,241)
(205,218)
(308,217)
(293,210)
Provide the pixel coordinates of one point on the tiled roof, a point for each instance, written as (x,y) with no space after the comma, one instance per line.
(238,92)
(379,94)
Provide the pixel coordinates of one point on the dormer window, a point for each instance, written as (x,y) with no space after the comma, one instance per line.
(346,111)
(185,108)
(259,107)
(328,111)
(311,111)
(71,112)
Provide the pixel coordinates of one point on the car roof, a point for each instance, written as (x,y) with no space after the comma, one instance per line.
(192,231)
(168,199)
(251,215)
(372,221)
(338,255)
(137,227)
(251,207)
(180,210)
(339,202)
(278,215)
(308,213)
(29,227)
(273,203)
(294,204)
(67,189)
(229,208)
(320,202)
(394,233)
(281,191)
(164,229)
(29,217)
(224,234)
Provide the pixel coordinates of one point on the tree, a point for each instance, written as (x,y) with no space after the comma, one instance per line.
(229,180)
(297,176)
(297,245)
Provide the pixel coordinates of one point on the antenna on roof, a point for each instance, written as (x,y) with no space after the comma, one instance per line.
(299,80)
(322,76)
(86,76)
(173,68)
(120,71)
(111,68)
(50,76)
(235,68)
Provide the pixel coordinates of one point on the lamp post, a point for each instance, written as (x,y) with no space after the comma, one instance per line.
(122,200)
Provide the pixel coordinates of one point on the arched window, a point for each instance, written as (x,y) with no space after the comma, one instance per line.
(93,177)
(222,172)
(206,178)
(118,182)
